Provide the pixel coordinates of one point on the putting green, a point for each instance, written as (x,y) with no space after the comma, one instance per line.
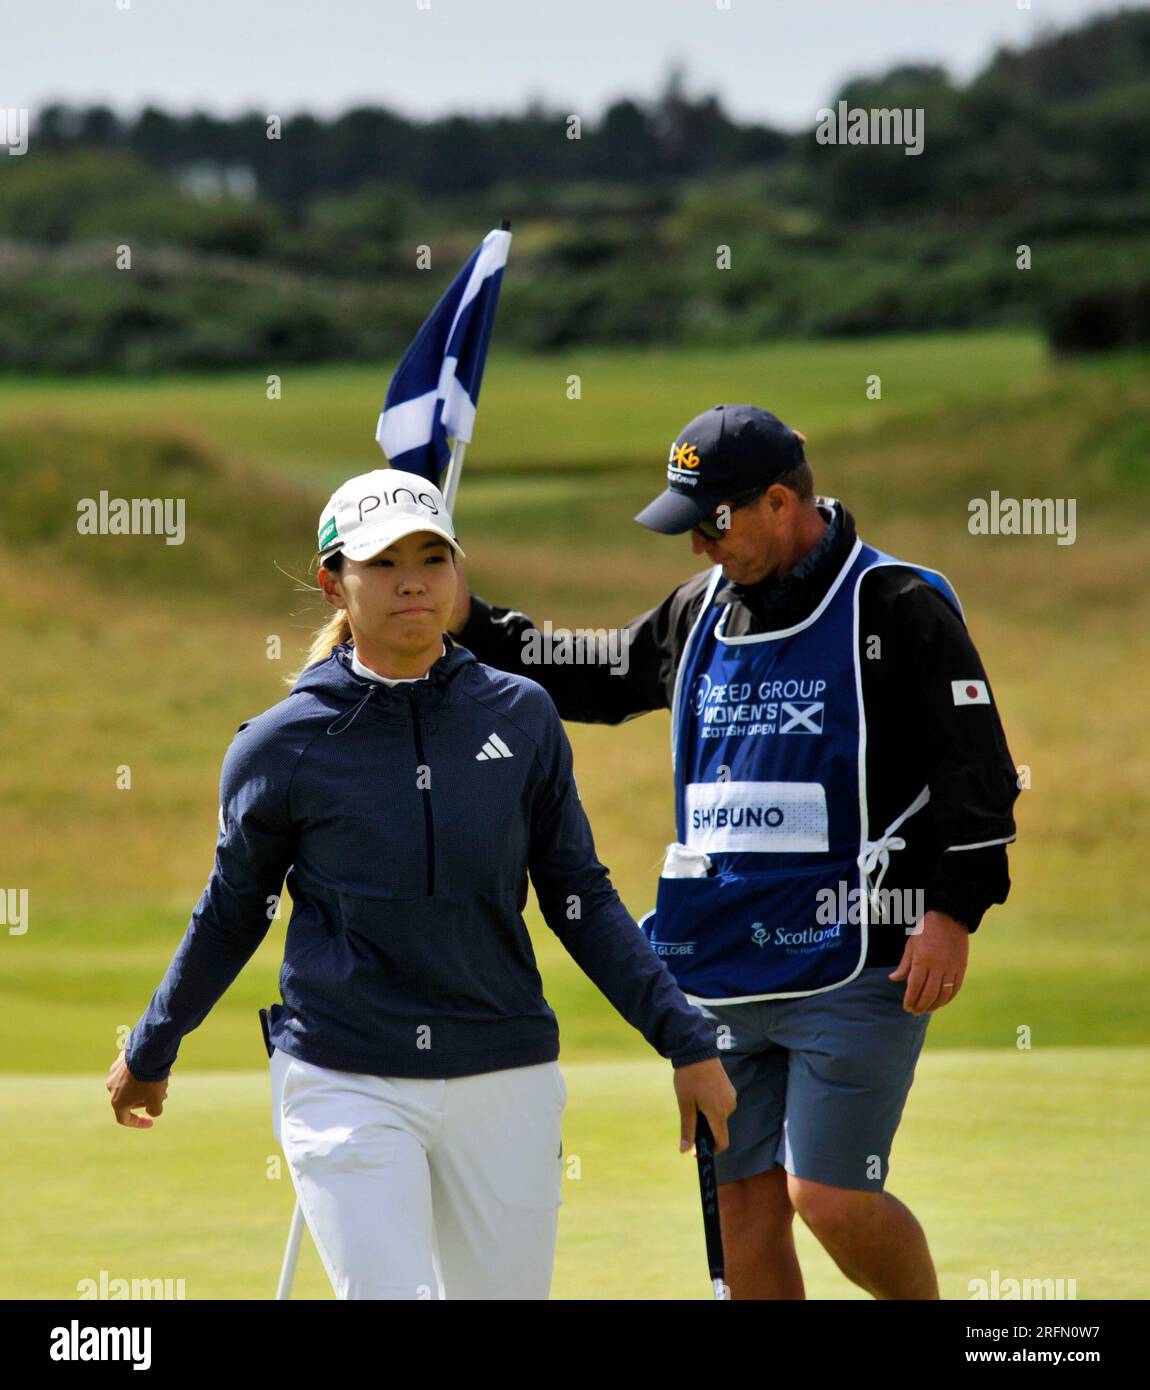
(1029,1163)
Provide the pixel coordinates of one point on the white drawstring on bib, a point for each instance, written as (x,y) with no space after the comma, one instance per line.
(876,853)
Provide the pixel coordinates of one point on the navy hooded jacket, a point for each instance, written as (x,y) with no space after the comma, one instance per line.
(406,819)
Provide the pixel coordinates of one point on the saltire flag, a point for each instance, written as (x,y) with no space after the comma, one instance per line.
(435,389)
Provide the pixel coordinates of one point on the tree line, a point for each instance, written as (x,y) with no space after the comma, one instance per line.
(659,222)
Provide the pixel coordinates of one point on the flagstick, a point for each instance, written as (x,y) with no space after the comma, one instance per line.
(451,482)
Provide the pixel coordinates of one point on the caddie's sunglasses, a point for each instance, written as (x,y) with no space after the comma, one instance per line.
(709,528)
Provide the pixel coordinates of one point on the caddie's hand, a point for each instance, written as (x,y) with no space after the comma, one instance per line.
(128,1094)
(462,610)
(704,1086)
(933,963)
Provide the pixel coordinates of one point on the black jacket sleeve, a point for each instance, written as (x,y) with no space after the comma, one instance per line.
(580,905)
(596,689)
(963,751)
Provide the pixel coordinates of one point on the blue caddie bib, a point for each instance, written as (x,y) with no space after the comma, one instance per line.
(768,738)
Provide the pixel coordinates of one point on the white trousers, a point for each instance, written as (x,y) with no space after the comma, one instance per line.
(416,1189)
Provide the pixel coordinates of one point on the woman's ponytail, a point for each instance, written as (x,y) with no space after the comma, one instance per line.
(337,629)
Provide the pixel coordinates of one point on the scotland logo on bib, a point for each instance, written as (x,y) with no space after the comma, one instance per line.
(769,743)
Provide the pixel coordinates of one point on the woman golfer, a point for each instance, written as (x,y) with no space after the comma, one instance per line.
(407,791)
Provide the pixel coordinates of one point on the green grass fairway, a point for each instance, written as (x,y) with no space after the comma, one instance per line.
(1030,1163)
(127,655)
(322,427)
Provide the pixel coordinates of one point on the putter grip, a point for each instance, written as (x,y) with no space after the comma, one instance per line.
(266,1033)
(709,1195)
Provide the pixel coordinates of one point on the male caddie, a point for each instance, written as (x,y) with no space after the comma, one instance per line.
(843,794)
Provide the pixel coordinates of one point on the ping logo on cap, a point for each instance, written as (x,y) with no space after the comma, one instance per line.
(372,501)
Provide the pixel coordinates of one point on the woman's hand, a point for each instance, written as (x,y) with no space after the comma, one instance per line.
(704,1086)
(128,1094)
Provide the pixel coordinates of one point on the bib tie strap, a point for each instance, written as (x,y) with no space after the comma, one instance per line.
(876,853)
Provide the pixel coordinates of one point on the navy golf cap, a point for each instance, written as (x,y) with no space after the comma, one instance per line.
(727,450)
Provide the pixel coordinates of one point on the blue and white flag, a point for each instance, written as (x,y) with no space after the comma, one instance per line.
(435,389)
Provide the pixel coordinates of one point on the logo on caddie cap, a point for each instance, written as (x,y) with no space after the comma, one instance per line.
(681,459)
(725,450)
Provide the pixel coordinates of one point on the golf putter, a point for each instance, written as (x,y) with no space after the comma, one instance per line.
(709,1196)
(296,1230)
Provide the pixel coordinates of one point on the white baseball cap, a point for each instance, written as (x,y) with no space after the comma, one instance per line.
(372,511)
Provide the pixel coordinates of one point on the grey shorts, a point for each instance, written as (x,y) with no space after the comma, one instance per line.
(821,1080)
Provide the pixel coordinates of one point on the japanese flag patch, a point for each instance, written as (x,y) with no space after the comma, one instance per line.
(970,692)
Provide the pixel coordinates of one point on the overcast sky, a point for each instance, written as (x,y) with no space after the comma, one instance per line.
(775,61)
